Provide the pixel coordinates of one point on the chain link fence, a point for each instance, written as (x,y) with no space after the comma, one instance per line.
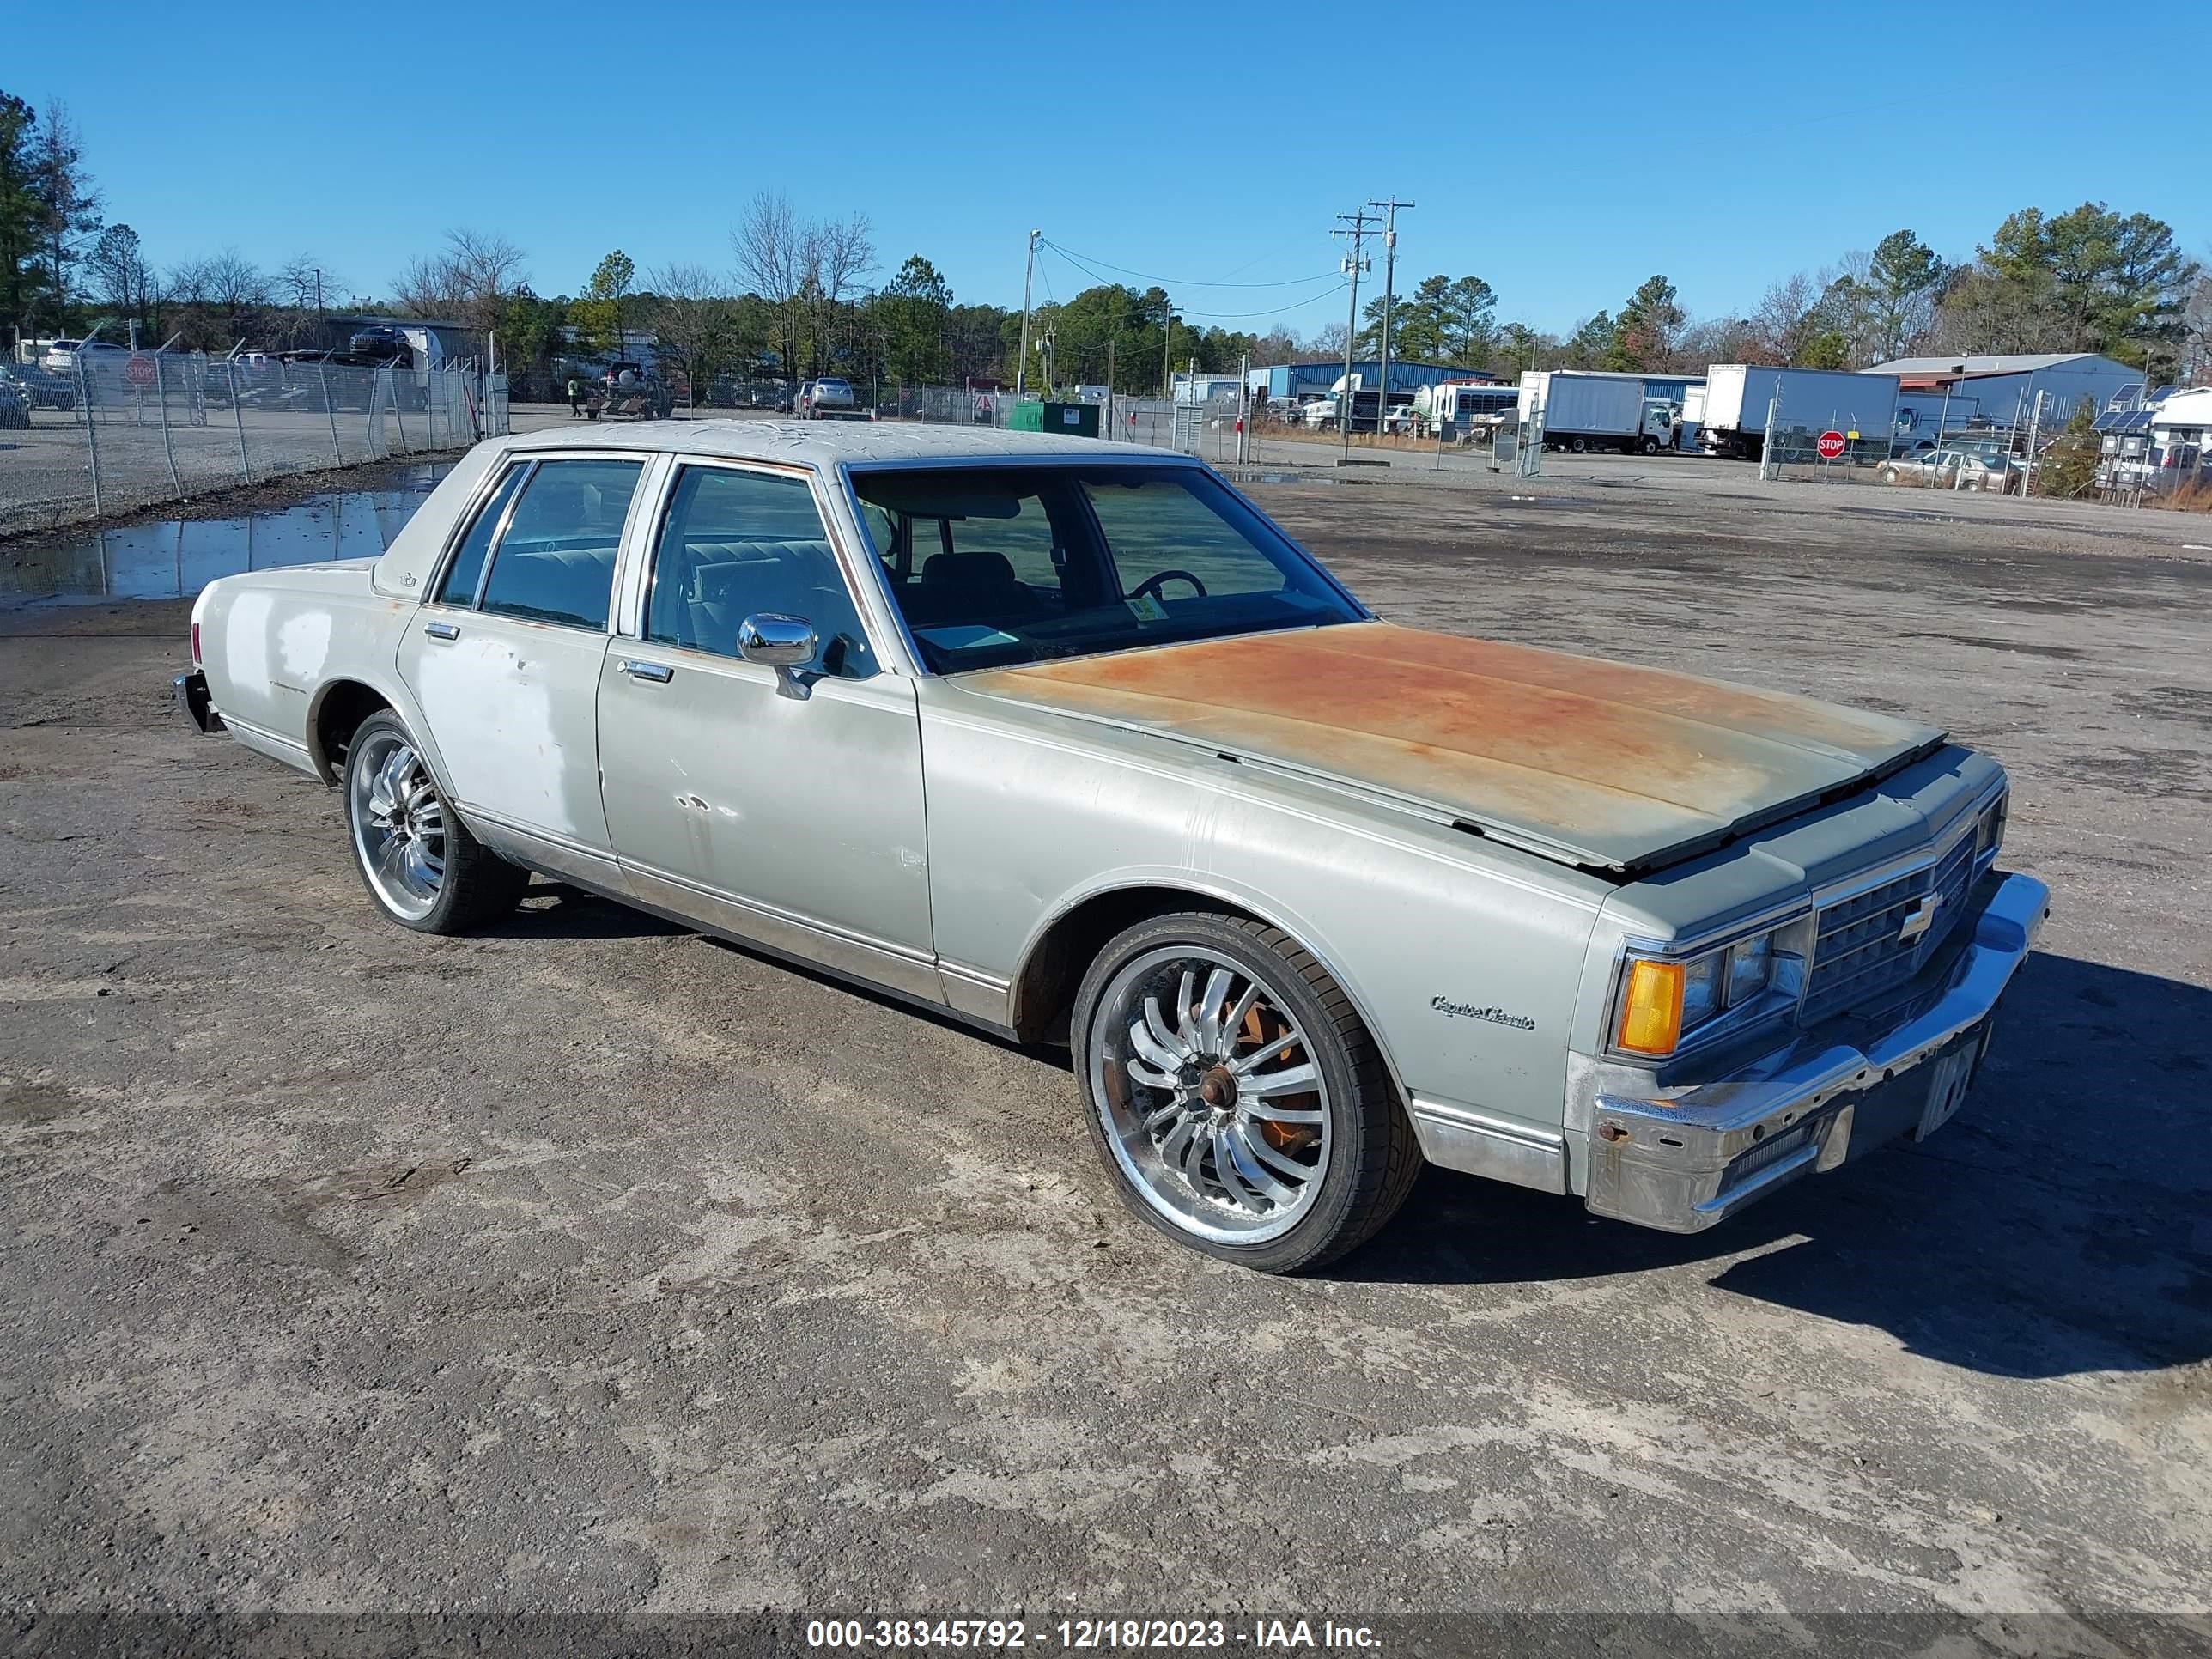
(1987,457)
(143,428)
(1207,429)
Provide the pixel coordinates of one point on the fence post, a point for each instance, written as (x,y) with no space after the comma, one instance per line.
(238,413)
(322,374)
(398,414)
(91,441)
(1770,460)
(2027,473)
(169,443)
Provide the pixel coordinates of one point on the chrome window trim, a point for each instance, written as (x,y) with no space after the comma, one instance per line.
(487,487)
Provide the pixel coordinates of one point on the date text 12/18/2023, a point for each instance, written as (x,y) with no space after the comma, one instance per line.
(1081,1635)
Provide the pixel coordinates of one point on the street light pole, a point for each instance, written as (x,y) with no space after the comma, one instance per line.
(1029,268)
(1358,222)
(1389,275)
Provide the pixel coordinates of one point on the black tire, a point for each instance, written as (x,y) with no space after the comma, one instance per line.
(478,887)
(1649,445)
(1373,1159)
(1580,445)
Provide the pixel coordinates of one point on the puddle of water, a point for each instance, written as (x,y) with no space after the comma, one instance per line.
(175,558)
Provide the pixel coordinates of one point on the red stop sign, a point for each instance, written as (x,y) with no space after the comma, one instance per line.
(1832,446)
(139,371)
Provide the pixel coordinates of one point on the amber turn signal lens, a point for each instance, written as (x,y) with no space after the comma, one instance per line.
(1651,1008)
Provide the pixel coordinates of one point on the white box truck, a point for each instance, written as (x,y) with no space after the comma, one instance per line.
(1585,411)
(1813,400)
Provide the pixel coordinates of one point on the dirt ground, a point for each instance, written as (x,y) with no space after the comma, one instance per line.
(592,1267)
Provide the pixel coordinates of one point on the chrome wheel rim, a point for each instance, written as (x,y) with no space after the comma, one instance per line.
(1213,1099)
(398,824)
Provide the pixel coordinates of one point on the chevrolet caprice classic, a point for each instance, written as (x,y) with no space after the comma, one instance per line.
(1067,740)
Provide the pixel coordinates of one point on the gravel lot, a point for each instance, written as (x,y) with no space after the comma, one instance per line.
(594,1266)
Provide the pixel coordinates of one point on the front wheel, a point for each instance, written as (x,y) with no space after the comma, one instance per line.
(418,860)
(1235,1098)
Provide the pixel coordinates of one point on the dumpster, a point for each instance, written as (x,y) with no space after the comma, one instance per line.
(1027,415)
(1072,419)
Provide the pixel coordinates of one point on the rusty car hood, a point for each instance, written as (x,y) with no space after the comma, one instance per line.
(1597,763)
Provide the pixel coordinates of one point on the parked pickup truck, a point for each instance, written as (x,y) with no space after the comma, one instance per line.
(1309,898)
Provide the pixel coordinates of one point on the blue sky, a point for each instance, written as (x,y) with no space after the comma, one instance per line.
(1206,142)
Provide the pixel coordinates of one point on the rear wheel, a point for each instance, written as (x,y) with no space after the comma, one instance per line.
(1237,1100)
(418,860)
(1579,445)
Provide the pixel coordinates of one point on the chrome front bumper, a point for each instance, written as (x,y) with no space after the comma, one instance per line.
(1681,1164)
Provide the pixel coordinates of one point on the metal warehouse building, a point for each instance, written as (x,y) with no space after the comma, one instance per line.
(1314,379)
(1940,395)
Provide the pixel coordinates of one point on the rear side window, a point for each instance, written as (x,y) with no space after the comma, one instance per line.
(466,571)
(556,560)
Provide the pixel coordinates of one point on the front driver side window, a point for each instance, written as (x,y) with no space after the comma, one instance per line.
(737,544)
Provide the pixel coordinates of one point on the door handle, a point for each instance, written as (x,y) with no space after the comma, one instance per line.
(438,630)
(659,672)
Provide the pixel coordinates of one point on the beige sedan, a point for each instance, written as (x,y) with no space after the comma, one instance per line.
(1946,469)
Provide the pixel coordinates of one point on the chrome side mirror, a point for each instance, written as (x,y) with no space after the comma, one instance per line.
(783,643)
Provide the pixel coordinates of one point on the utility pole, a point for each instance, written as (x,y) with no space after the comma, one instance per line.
(1389,274)
(1357,223)
(1167,360)
(1029,270)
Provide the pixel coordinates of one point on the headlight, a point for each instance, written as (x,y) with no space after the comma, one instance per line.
(1665,1001)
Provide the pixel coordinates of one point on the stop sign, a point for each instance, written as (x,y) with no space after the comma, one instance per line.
(1832,446)
(139,371)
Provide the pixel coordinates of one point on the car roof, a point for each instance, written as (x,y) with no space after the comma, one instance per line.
(824,444)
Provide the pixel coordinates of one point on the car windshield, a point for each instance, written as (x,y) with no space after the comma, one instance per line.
(992,566)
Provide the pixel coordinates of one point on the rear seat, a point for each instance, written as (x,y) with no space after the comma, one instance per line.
(571,581)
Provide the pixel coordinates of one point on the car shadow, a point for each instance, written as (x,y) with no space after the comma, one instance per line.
(554,909)
(2061,1224)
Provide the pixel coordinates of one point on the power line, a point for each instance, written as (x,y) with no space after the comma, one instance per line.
(1177,282)
(1211,316)
(1294,305)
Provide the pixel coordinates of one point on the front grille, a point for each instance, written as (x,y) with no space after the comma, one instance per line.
(1858,953)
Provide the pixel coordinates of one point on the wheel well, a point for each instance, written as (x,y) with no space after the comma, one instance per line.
(339,712)
(1044,994)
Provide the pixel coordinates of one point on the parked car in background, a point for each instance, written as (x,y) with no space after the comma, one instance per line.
(1067,740)
(1949,469)
(828,399)
(15,407)
(40,387)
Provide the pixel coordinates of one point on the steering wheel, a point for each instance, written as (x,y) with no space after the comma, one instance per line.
(1151,584)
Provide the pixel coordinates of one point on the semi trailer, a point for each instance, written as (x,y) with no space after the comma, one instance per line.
(1812,400)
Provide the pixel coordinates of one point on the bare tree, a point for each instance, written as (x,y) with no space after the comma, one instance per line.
(303,283)
(696,317)
(469,280)
(842,251)
(770,246)
(229,290)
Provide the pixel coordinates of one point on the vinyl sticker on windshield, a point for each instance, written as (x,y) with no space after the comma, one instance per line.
(964,637)
(1145,608)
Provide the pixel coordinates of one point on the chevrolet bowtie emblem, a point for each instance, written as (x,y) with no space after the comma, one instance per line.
(1920,920)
